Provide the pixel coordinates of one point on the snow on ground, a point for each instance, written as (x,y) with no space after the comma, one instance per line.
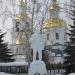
(2,73)
(72,74)
(14,63)
(58,74)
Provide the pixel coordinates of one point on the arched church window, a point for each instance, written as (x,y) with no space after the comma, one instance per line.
(48,36)
(17,26)
(74,22)
(57,36)
(27,25)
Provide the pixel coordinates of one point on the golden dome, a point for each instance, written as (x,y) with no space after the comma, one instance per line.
(53,22)
(19,42)
(21,16)
(19,39)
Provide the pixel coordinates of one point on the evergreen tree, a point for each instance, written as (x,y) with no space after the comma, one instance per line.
(5,54)
(69,60)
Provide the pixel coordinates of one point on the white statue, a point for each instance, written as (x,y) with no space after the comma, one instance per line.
(37,44)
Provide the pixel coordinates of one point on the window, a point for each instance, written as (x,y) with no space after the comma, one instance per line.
(47,36)
(57,36)
(17,26)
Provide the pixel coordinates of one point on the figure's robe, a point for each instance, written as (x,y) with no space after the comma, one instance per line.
(37,44)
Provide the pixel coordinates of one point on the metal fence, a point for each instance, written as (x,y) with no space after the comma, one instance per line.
(14,67)
(53,69)
(56,71)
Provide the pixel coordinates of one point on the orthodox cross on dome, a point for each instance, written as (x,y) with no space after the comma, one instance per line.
(22,3)
(54,8)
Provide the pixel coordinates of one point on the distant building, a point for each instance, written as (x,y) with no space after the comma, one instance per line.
(21,33)
(54,33)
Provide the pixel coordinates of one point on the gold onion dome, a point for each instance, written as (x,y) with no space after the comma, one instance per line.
(53,22)
(21,16)
(19,42)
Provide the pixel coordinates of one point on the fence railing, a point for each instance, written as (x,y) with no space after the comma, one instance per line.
(18,67)
(56,71)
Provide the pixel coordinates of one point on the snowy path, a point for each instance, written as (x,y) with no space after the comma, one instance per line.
(2,73)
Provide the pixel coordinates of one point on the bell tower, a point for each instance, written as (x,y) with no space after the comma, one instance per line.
(21,33)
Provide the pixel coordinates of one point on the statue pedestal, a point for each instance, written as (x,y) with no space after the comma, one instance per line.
(37,67)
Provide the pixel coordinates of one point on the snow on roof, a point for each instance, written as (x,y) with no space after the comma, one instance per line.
(14,64)
(71,74)
(58,74)
(2,73)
